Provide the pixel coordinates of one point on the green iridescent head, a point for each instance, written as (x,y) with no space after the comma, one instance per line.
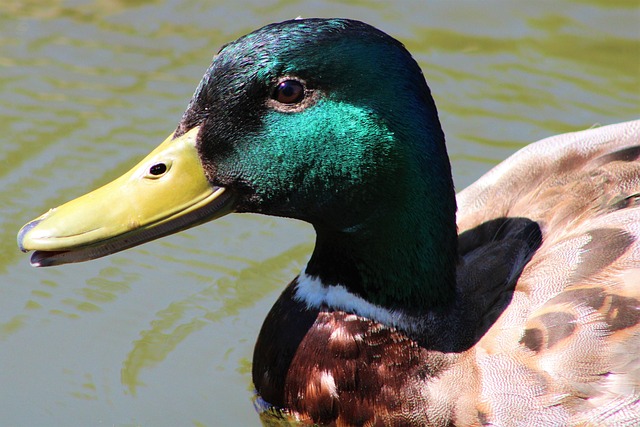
(362,134)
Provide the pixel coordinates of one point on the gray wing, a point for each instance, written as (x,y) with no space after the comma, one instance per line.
(566,351)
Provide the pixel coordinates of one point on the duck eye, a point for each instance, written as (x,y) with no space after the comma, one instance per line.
(289,92)
(158,169)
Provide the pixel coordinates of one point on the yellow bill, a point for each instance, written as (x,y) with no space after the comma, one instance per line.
(165,193)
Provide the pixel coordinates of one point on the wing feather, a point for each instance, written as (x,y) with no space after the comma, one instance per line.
(569,341)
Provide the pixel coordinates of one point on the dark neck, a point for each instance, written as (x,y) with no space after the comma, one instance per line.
(404,258)
(401,251)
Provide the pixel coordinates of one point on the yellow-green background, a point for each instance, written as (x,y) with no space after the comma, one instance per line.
(162,335)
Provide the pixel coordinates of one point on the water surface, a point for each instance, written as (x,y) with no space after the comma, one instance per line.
(162,335)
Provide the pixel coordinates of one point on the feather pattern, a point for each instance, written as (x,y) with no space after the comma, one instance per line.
(566,350)
(549,286)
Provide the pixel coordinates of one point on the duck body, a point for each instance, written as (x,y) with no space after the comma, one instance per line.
(529,316)
(565,353)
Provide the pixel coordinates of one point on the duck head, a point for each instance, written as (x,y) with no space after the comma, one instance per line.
(329,121)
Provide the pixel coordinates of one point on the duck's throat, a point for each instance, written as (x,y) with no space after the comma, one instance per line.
(404,265)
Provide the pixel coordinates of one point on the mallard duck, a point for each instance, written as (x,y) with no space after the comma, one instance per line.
(528,316)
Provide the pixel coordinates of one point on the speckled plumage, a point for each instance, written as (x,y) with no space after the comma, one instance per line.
(570,338)
(563,352)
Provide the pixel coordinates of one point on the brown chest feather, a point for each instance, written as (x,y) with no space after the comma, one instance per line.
(347,370)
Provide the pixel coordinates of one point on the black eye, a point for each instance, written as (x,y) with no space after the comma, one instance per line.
(289,92)
(158,169)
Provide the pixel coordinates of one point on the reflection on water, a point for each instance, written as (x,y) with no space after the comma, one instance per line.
(89,87)
(226,297)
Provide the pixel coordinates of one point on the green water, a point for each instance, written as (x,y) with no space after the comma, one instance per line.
(162,335)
